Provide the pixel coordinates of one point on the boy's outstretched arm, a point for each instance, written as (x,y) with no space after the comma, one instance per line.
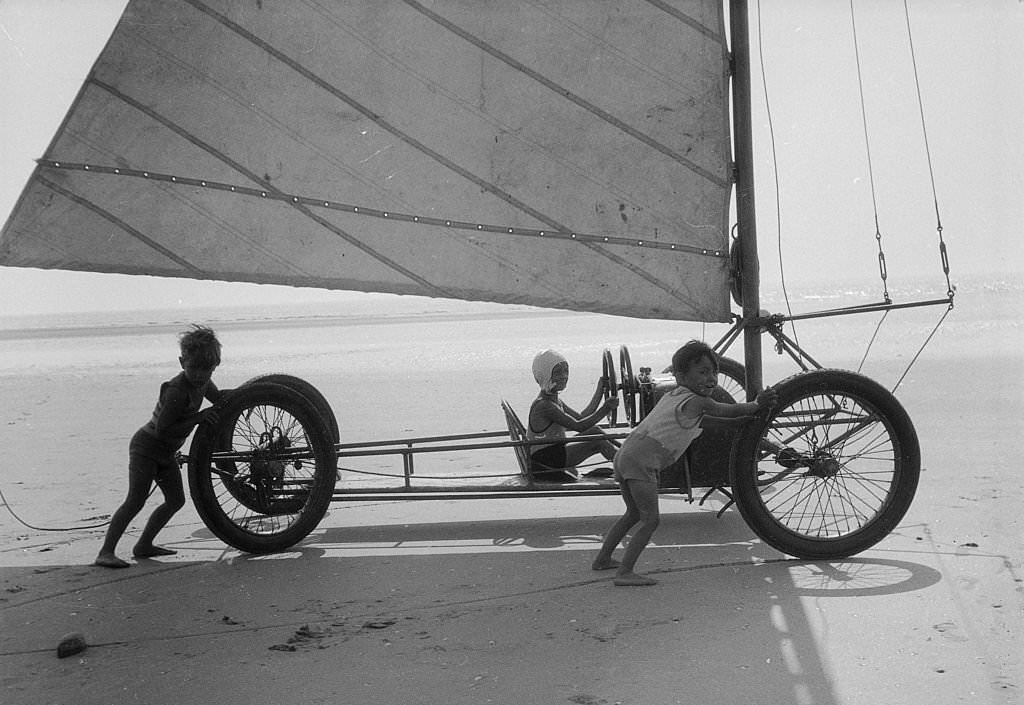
(765,398)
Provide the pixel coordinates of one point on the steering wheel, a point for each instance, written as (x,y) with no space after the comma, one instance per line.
(630,386)
(612,387)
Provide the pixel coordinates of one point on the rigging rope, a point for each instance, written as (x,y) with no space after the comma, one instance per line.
(396,476)
(775,171)
(7,505)
(871,180)
(867,149)
(883,273)
(872,341)
(24,523)
(943,254)
(921,349)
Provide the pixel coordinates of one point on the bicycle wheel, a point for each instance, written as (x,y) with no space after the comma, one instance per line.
(830,470)
(263,476)
(732,378)
(307,390)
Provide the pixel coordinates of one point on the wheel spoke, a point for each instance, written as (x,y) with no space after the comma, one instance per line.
(837,460)
(265,475)
(839,433)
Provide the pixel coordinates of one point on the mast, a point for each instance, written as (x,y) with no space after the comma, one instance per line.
(745,215)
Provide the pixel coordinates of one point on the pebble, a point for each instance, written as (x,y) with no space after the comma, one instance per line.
(70,645)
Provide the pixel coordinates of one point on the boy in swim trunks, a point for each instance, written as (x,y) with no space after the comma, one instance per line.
(151,453)
(657,442)
(550,417)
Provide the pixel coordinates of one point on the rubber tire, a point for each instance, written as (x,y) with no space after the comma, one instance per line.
(307,390)
(735,378)
(759,508)
(608,371)
(204,493)
(629,386)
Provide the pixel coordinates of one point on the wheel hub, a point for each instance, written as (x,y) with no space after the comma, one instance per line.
(823,465)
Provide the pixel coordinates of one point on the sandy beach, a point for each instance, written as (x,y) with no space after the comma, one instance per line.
(493,601)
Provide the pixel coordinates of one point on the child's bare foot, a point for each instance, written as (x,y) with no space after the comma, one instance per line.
(633,580)
(109,560)
(151,551)
(604,564)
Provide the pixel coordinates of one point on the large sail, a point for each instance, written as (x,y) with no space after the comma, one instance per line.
(561,153)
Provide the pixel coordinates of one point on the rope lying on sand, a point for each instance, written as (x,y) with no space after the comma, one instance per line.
(45,528)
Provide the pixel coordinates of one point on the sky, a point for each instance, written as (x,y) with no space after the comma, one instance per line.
(816,204)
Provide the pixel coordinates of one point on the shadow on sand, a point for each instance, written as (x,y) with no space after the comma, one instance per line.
(464,609)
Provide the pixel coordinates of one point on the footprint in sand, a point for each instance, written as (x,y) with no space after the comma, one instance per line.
(949,630)
(305,637)
(583,699)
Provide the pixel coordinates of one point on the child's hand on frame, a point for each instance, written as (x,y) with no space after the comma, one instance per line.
(767,398)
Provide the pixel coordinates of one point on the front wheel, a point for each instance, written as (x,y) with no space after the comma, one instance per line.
(830,470)
(263,476)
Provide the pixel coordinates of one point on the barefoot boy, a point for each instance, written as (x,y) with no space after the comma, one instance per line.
(657,442)
(152,448)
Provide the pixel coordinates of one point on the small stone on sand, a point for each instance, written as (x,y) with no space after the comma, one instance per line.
(70,645)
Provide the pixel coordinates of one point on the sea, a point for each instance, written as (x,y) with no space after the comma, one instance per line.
(76,386)
(400,364)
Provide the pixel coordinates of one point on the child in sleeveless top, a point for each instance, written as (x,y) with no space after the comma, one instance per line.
(550,417)
(657,442)
(151,453)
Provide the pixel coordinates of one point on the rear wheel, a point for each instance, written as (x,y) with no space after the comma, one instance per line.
(307,390)
(732,378)
(263,476)
(830,470)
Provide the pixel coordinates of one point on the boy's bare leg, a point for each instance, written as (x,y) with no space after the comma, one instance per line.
(138,488)
(106,558)
(174,499)
(620,528)
(644,496)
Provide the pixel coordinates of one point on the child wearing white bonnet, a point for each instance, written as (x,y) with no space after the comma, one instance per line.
(550,417)
(544,364)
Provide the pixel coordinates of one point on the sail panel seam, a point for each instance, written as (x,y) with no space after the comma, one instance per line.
(307,143)
(306,73)
(180,131)
(107,215)
(303,203)
(569,95)
(688,21)
(506,129)
(295,199)
(202,211)
(377,119)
